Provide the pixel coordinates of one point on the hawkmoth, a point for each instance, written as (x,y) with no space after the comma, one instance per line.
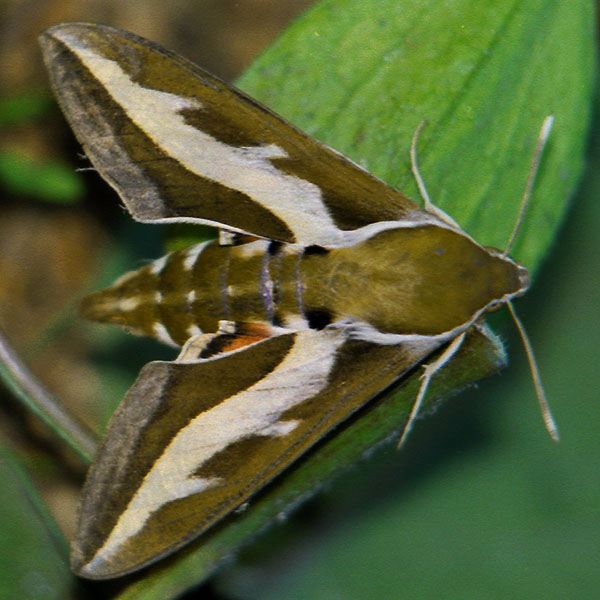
(275,328)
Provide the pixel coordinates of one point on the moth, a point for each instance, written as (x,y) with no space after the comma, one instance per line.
(324,288)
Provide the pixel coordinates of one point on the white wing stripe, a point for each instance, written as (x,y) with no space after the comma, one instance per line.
(301,375)
(297,202)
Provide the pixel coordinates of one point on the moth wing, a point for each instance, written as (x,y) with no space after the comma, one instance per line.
(178,144)
(193,441)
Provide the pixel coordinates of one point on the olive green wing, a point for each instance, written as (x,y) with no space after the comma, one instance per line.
(180,145)
(194,440)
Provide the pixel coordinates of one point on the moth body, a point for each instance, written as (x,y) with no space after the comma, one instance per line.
(301,317)
(421,280)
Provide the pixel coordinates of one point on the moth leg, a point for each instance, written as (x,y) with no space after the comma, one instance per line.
(430,207)
(430,371)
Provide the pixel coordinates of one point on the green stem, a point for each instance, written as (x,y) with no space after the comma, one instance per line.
(42,402)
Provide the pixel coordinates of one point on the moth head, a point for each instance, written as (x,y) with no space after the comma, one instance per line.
(520,274)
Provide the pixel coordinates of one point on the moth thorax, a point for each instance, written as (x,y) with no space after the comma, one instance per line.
(419,280)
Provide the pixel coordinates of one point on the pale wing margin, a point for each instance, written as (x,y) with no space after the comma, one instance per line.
(241,419)
(180,145)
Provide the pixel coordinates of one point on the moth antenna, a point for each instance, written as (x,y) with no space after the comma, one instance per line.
(415,409)
(415,166)
(535,374)
(430,371)
(430,207)
(535,163)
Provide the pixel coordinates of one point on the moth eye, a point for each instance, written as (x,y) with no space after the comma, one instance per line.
(318,319)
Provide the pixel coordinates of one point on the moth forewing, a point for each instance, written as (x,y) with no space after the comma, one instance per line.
(142,112)
(280,341)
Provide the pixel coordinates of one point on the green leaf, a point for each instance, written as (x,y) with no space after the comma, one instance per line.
(51,181)
(481,504)
(20,108)
(25,176)
(33,553)
(361,75)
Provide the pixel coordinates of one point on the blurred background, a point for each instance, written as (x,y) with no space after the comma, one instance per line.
(481,504)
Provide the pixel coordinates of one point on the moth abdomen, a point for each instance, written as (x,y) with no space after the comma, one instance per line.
(161,299)
(190,291)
